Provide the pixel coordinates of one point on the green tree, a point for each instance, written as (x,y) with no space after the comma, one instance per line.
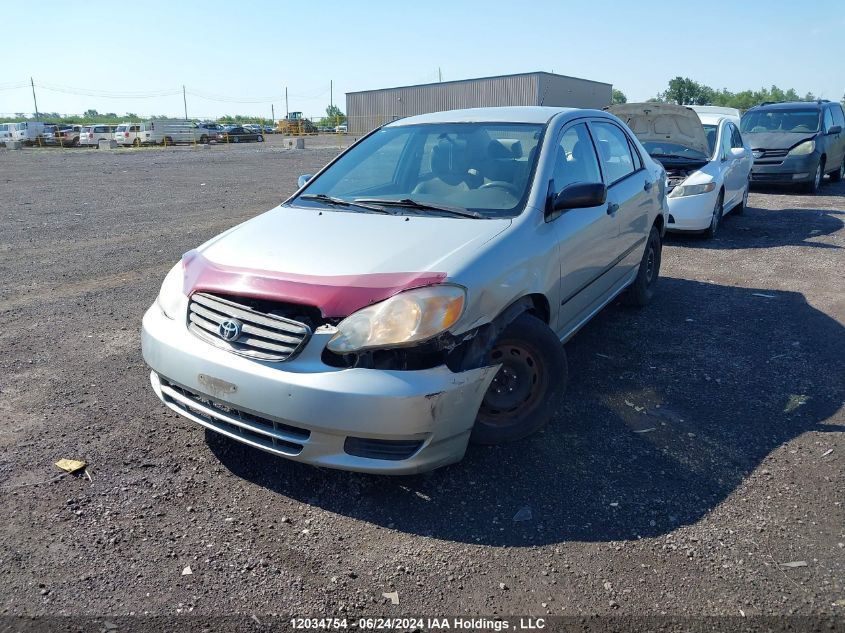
(617,96)
(91,114)
(685,91)
(334,116)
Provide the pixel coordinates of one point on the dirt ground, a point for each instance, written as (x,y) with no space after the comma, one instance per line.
(696,467)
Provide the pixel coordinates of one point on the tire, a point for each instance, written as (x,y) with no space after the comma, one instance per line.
(641,292)
(260,139)
(816,182)
(740,208)
(716,219)
(839,174)
(533,370)
(203,139)
(167,141)
(136,142)
(236,139)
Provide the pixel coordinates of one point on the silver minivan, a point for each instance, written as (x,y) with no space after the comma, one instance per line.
(415,294)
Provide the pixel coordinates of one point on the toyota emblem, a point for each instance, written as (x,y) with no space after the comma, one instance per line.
(229,330)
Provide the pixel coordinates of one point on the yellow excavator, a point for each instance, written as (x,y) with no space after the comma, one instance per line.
(295,125)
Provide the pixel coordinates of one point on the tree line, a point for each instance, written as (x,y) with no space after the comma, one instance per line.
(686,91)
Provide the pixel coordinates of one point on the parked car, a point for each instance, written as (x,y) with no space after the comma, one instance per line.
(732,114)
(91,135)
(796,142)
(707,163)
(48,135)
(415,293)
(341,129)
(128,134)
(67,135)
(239,134)
(213,128)
(27,132)
(269,129)
(5,133)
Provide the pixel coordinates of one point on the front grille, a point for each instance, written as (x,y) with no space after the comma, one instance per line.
(769,156)
(253,429)
(393,450)
(263,335)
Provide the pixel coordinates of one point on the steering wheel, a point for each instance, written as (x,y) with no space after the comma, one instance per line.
(501,184)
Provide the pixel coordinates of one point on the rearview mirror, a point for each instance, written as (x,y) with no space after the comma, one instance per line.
(303,180)
(836,129)
(580,195)
(738,152)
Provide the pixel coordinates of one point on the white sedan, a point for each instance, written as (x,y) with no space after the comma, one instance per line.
(707,163)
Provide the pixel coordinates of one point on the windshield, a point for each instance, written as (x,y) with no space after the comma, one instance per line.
(665,148)
(795,121)
(482,167)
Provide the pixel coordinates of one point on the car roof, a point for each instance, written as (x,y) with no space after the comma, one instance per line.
(505,114)
(790,105)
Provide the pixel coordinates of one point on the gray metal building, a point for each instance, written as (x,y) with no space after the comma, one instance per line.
(369,109)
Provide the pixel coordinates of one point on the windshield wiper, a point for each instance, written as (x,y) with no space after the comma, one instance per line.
(408,203)
(340,202)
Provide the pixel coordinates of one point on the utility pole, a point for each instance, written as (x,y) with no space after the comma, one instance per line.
(331,92)
(439,75)
(287,112)
(272,114)
(185,101)
(32,82)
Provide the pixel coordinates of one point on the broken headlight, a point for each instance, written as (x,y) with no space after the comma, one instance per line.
(404,319)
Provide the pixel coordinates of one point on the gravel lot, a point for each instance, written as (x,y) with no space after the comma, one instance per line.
(700,447)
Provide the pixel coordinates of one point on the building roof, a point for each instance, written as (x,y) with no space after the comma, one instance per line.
(459,81)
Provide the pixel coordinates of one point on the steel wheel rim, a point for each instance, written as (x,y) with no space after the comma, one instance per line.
(717,212)
(518,385)
(818,178)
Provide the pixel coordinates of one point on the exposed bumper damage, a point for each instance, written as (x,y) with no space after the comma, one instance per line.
(369,420)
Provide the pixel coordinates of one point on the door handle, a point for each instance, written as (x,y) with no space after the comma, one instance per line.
(612,208)
(647,186)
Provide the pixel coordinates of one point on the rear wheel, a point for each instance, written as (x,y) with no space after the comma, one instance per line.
(260,139)
(839,174)
(716,217)
(136,142)
(203,139)
(168,141)
(641,292)
(532,378)
(236,139)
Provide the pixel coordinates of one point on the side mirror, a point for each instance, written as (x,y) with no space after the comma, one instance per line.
(738,152)
(303,180)
(836,129)
(580,195)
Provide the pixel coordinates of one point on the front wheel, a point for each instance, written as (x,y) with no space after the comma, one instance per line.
(260,139)
(816,182)
(203,139)
(641,292)
(530,382)
(716,217)
(839,174)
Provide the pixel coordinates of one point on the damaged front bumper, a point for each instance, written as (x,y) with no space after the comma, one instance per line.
(366,420)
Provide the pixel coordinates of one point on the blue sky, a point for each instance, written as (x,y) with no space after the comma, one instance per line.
(157,47)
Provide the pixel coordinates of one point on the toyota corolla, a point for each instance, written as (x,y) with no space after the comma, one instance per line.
(416,293)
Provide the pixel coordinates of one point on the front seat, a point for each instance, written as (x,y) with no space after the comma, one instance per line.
(449,169)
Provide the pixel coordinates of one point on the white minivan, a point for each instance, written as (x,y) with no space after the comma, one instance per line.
(127,134)
(91,135)
(5,132)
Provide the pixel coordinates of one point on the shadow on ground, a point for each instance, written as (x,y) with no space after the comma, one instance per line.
(667,411)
